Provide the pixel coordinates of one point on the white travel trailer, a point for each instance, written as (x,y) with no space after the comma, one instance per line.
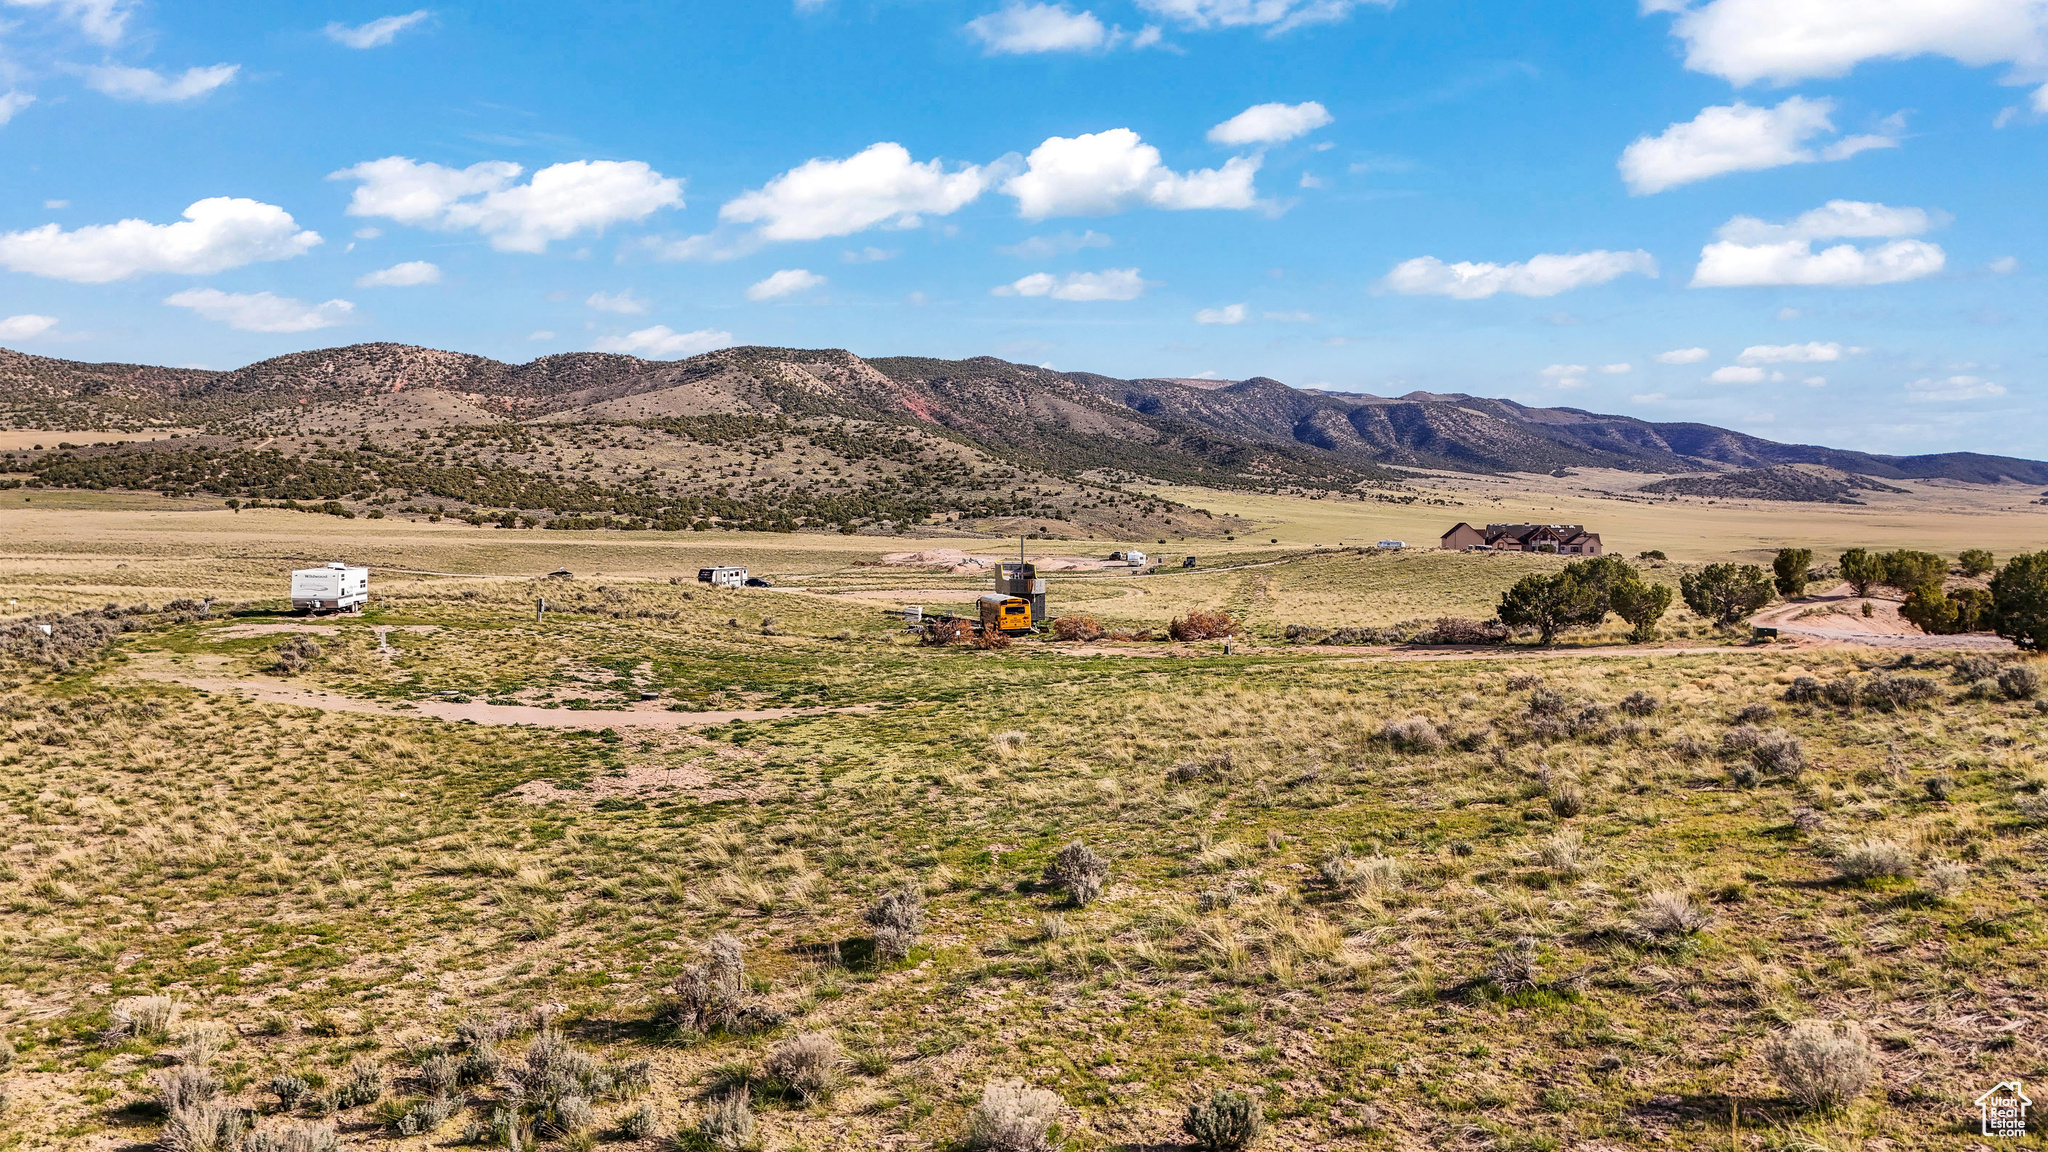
(335,588)
(723,577)
(1393,545)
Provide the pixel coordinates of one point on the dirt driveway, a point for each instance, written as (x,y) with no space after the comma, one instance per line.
(1836,617)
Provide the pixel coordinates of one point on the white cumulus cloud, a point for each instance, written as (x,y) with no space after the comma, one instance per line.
(1270,124)
(12,103)
(621,303)
(1112,284)
(788,282)
(1953,388)
(1738,138)
(1851,219)
(1617,369)
(1058,244)
(559,201)
(217,234)
(1102,173)
(410,274)
(1683,356)
(1785,41)
(1810,353)
(124,83)
(101,21)
(1565,375)
(881,185)
(1228,314)
(663,342)
(1020,29)
(1543,275)
(1738,375)
(1755,253)
(262,311)
(26,327)
(377,33)
(1275,16)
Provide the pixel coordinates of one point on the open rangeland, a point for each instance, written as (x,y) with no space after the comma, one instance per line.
(440,872)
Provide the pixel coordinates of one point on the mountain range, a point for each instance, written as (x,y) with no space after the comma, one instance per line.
(1074,431)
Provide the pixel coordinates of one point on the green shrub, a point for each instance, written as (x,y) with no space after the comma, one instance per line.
(1725,593)
(2019,682)
(1861,569)
(1906,569)
(2019,601)
(1225,1122)
(1789,571)
(1975,562)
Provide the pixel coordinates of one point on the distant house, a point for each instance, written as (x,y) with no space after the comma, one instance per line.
(1565,539)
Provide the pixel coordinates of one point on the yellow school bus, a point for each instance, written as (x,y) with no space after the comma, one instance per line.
(1010,615)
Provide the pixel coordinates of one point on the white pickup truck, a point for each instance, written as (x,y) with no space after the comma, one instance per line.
(335,588)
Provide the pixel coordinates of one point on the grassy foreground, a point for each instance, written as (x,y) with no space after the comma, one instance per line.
(1454,904)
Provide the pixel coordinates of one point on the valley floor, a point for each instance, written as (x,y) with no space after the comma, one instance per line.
(1562,900)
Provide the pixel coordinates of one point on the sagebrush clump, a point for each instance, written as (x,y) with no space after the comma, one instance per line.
(2019,682)
(805,1065)
(1665,916)
(1226,1122)
(1012,1118)
(728,1123)
(1078,872)
(1640,703)
(1822,1065)
(1414,734)
(712,996)
(140,1018)
(897,917)
(1874,858)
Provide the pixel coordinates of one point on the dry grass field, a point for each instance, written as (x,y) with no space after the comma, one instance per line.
(1539,903)
(1936,515)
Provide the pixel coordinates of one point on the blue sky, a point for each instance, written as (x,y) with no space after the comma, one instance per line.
(1792,217)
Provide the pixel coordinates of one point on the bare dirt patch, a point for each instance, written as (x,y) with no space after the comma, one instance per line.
(1836,617)
(961,563)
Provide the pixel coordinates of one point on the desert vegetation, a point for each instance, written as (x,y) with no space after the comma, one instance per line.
(1042,897)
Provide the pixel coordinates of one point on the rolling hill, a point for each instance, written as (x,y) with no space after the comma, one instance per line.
(783,437)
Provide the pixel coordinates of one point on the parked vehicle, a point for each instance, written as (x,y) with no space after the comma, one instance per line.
(334,588)
(722,577)
(1006,614)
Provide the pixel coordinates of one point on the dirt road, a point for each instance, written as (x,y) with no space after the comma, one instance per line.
(1837,617)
